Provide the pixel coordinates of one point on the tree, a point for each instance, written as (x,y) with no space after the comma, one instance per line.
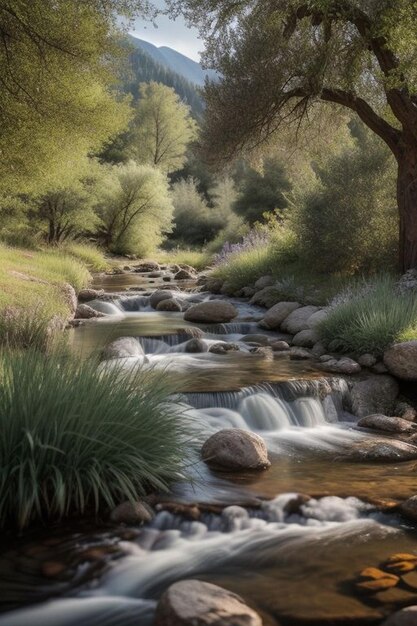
(262,191)
(57,97)
(277,58)
(134,207)
(163,128)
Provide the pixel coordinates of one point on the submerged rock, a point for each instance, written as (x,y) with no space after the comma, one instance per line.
(234,449)
(401,360)
(197,603)
(146,266)
(340,366)
(121,348)
(223,348)
(184,275)
(376,394)
(132,513)
(387,424)
(212,312)
(265,352)
(263,340)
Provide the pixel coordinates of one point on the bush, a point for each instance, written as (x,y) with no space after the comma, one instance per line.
(370,317)
(78,441)
(88,254)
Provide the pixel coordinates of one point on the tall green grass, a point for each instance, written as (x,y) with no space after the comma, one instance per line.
(75,440)
(200,260)
(370,318)
(88,254)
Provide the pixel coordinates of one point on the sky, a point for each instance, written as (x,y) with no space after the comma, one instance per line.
(173,33)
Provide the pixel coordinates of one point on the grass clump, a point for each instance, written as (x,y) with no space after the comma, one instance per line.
(76,440)
(88,254)
(370,317)
(200,260)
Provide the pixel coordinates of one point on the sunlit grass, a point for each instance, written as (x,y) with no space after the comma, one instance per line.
(77,439)
(198,260)
(88,254)
(371,319)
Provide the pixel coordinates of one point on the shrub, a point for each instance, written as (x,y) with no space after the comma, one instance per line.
(77,441)
(370,317)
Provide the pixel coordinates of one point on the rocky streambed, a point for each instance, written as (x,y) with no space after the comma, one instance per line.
(301,506)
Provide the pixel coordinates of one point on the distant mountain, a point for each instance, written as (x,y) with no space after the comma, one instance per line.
(175,61)
(143,68)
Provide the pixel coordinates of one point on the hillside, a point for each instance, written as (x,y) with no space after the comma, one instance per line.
(145,67)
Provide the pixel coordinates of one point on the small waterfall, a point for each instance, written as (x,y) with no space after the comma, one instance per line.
(233,328)
(161,344)
(135,303)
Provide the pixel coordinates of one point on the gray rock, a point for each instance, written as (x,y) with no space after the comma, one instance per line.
(405,410)
(263,340)
(85,312)
(408,282)
(280,346)
(317,318)
(409,508)
(195,346)
(228,289)
(169,305)
(305,338)
(146,266)
(379,368)
(298,320)
(318,349)
(387,424)
(405,617)
(265,352)
(248,292)
(85,295)
(278,313)
(376,394)
(264,281)
(223,348)
(214,285)
(70,296)
(122,348)
(212,312)
(401,360)
(341,366)
(234,449)
(367,360)
(198,603)
(159,296)
(383,450)
(132,513)
(267,297)
(155,275)
(184,275)
(300,354)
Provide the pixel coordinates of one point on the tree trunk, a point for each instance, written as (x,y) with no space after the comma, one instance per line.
(407,205)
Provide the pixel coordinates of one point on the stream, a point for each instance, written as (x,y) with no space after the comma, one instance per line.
(293,560)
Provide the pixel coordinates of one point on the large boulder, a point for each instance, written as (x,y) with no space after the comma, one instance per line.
(317,318)
(278,313)
(305,338)
(376,394)
(122,348)
(194,346)
(70,296)
(211,312)
(159,296)
(198,603)
(387,424)
(401,360)
(235,449)
(298,320)
(267,297)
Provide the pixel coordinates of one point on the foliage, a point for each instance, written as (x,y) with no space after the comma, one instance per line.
(196,222)
(370,317)
(279,59)
(263,191)
(162,128)
(200,260)
(77,439)
(348,223)
(134,207)
(57,100)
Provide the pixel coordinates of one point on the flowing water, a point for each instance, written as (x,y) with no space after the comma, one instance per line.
(293,559)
